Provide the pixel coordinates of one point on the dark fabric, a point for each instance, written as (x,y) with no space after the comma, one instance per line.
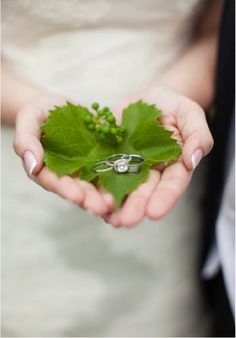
(223,323)
(220,124)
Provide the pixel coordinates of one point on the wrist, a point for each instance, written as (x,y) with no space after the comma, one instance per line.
(11,110)
(16,93)
(199,91)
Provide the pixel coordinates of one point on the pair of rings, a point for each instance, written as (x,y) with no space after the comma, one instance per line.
(120,163)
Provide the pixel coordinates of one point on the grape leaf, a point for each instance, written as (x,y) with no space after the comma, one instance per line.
(70,148)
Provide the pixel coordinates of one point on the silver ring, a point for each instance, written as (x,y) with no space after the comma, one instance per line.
(121,164)
(138,162)
(120,156)
(101,170)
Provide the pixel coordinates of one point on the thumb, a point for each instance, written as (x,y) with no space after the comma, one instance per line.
(197,137)
(27,143)
(27,138)
(124,104)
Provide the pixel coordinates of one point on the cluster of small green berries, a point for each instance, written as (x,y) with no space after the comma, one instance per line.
(104,123)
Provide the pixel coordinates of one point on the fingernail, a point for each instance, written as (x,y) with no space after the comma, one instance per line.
(29,162)
(196,158)
(108,199)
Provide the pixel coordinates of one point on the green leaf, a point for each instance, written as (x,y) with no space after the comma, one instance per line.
(120,185)
(146,136)
(70,148)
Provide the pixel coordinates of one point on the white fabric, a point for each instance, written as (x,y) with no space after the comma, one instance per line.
(212,264)
(90,50)
(65,272)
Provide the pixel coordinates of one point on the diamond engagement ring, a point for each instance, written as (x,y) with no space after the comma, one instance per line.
(120,163)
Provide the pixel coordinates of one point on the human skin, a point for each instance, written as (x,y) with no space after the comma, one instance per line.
(182,92)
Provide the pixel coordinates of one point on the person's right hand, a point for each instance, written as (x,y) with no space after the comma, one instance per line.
(27,145)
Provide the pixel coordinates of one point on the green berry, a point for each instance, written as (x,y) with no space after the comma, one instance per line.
(91,126)
(95,106)
(111,118)
(122,129)
(106,129)
(101,127)
(107,113)
(113,131)
(100,112)
(119,139)
(106,109)
(88,118)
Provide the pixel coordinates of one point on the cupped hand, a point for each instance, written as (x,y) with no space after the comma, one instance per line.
(27,145)
(164,187)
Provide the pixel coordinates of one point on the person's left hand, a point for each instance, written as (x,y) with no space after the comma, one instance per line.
(159,194)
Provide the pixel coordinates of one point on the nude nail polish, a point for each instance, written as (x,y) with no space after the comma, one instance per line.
(196,158)
(29,162)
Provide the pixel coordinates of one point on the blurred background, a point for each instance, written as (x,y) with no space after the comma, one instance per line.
(66,273)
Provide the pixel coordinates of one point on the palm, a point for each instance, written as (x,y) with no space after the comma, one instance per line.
(27,137)
(156,197)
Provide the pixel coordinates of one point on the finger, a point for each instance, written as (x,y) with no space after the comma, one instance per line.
(171,187)
(27,134)
(93,200)
(169,123)
(134,208)
(108,198)
(67,187)
(119,109)
(196,135)
(27,138)
(112,218)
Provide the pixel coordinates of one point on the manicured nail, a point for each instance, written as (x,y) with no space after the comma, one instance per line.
(29,162)
(196,158)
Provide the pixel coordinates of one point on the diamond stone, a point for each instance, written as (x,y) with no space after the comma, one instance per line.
(121,166)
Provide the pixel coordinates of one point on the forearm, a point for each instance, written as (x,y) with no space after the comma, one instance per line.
(16,93)
(193,74)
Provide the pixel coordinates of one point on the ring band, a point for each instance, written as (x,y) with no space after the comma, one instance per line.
(121,163)
(121,156)
(101,170)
